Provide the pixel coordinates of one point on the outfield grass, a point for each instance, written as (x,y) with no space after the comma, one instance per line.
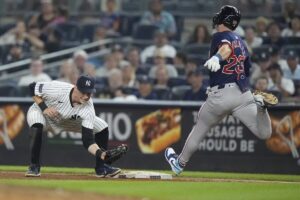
(172,190)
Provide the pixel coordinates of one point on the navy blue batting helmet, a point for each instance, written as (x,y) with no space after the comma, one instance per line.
(230,16)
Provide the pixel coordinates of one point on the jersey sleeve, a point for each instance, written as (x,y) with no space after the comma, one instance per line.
(46,89)
(88,114)
(217,41)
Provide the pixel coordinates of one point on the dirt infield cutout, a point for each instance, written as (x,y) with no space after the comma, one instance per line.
(9,192)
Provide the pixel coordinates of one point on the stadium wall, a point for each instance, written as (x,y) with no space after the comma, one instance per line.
(148,127)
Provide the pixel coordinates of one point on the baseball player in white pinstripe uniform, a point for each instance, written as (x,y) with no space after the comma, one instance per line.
(62,106)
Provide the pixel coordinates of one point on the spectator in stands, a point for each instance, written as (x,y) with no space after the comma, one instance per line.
(128,76)
(261,25)
(121,94)
(160,43)
(18,35)
(289,11)
(61,16)
(119,55)
(275,57)
(145,89)
(161,86)
(261,67)
(294,28)
(86,6)
(35,31)
(200,35)
(160,62)
(162,78)
(36,73)
(251,40)
(80,58)
(53,40)
(197,92)
(160,18)
(45,17)
(100,33)
(180,61)
(293,70)
(278,83)
(68,73)
(261,84)
(15,54)
(110,63)
(115,80)
(133,56)
(111,18)
(190,66)
(274,36)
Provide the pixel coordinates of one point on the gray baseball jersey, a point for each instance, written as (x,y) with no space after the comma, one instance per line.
(57,94)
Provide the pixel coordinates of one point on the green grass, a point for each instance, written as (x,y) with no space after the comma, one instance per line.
(172,190)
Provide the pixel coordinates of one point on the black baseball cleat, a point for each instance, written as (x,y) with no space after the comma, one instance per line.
(264,99)
(107,171)
(33,171)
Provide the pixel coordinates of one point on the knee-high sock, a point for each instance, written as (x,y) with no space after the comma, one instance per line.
(101,140)
(35,134)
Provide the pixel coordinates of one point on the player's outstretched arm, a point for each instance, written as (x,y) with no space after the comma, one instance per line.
(107,156)
(213,64)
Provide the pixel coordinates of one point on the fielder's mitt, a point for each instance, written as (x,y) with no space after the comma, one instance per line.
(114,154)
(269,99)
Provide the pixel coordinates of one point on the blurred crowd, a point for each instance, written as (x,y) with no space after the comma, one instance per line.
(159,70)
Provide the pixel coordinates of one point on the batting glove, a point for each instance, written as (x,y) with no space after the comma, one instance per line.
(213,64)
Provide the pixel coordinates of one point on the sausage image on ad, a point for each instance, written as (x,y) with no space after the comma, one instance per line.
(158,130)
(11,123)
(286,134)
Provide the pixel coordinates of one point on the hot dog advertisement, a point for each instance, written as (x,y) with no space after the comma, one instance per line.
(11,123)
(286,134)
(149,129)
(158,130)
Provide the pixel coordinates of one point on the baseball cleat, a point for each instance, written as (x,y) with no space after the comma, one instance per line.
(264,99)
(33,171)
(172,159)
(107,171)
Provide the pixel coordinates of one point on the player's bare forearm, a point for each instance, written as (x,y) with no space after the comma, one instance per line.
(94,149)
(37,99)
(225,51)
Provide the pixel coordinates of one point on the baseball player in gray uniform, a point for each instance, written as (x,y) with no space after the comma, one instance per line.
(229,91)
(62,106)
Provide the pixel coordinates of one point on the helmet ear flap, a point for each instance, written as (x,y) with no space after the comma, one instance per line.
(231,21)
(216,19)
(229,16)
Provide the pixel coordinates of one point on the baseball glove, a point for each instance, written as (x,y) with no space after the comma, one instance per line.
(269,99)
(115,154)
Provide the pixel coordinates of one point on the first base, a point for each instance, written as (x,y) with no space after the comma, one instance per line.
(144,175)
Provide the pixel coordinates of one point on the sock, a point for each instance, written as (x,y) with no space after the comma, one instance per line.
(101,140)
(35,134)
(181,163)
